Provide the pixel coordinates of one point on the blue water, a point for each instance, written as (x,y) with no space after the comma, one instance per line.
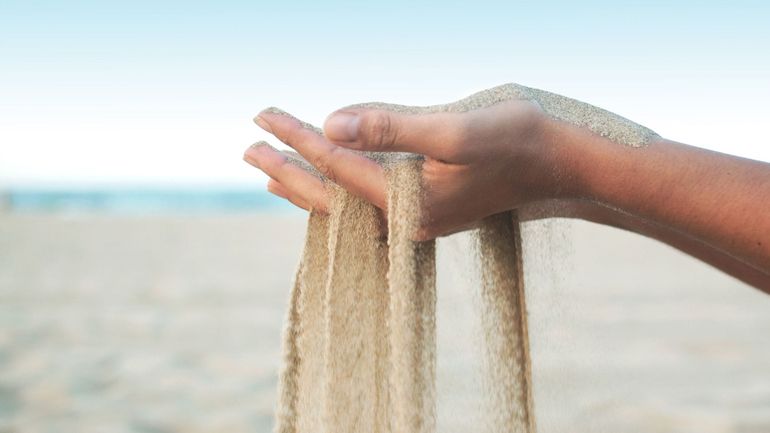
(141,200)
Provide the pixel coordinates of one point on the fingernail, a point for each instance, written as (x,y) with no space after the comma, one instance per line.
(342,127)
(259,120)
(251,160)
(252,153)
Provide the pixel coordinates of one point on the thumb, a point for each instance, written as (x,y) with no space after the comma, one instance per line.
(437,135)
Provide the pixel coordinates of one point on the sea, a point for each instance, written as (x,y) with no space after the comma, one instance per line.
(141,200)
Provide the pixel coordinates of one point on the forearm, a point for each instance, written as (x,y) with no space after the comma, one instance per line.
(694,247)
(593,212)
(718,200)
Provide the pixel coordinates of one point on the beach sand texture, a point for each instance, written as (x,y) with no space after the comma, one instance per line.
(372,367)
(173,324)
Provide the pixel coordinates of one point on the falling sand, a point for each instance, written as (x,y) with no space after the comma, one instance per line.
(359,343)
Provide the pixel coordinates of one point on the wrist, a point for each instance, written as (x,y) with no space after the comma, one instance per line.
(567,154)
(596,169)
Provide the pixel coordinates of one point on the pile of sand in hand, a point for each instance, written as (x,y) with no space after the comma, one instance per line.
(359,344)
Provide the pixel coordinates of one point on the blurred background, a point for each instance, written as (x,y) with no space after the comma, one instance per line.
(144,271)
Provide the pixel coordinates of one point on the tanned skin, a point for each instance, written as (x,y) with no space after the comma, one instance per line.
(713,206)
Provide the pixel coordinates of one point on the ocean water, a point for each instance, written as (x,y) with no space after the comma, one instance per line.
(141,200)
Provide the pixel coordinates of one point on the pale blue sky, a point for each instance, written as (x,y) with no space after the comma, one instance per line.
(164,92)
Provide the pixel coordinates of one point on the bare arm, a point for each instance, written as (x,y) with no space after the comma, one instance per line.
(720,200)
(511,155)
(591,211)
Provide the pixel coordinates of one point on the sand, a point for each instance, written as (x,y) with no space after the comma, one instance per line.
(600,121)
(178,329)
(360,327)
(360,336)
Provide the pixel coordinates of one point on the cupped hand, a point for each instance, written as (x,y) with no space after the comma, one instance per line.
(477,163)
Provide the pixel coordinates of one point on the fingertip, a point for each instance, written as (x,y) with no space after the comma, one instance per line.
(342,126)
(250,155)
(266,118)
(253,151)
(263,123)
(274,110)
(275,187)
(258,144)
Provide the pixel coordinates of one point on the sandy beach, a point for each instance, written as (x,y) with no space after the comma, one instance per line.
(172,324)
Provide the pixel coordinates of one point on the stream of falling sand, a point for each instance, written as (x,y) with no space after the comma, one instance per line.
(359,348)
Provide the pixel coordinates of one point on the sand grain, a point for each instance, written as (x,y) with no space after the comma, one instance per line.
(360,343)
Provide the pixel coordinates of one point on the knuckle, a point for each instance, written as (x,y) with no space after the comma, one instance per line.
(458,138)
(463,131)
(378,129)
(324,163)
(293,137)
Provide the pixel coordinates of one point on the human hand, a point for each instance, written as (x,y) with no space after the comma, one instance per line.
(477,163)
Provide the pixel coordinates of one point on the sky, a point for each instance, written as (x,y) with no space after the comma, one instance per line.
(163,93)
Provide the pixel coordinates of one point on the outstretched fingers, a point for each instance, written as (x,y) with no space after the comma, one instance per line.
(356,173)
(287,180)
